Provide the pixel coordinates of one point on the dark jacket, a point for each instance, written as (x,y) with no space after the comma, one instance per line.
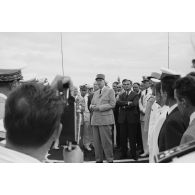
(172,130)
(90,97)
(116,111)
(128,112)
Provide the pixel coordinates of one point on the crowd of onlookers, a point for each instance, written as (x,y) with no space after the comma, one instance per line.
(149,117)
(135,119)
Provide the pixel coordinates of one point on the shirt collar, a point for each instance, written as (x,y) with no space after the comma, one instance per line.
(86,96)
(128,91)
(102,88)
(172,108)
(192,117)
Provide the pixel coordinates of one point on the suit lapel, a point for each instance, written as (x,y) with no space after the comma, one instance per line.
(124,96)
(130,96)
(102,93)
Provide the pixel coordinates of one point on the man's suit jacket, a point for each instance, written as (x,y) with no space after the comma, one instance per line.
(143,100)
(105,102)
(116,110)
(172,130)
(189,134)
(128,112)
(89,100)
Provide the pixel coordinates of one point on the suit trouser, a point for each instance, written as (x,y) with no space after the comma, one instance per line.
(139,138)
(117,125)
(144,138)
(128,130)
(117,134)
(103,142)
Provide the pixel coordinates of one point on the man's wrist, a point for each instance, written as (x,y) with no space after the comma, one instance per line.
(129,103)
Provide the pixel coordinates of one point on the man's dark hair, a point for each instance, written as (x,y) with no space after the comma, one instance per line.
(125,80)
(191,74)
(185,88)
(168,84)
(32,113)
(115,82)
(136,83)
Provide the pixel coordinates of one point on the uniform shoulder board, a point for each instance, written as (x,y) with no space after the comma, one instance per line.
(176,152)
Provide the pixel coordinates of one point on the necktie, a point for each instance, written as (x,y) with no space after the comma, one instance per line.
(126,94)
(100,91)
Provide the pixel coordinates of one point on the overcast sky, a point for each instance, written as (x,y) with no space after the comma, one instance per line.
(128,55)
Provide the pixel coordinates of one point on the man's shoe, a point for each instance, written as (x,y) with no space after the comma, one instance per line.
(135,158)
(140,152)
(99,161)
(144,155)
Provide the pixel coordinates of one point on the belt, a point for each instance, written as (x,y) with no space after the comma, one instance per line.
(126,108)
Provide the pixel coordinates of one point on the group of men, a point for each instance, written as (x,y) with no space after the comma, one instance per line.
(148,118)
(151,118)
(111,109)
(129,114)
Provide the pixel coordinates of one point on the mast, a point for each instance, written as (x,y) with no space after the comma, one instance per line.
(62,54)
(168,50)
(193,46)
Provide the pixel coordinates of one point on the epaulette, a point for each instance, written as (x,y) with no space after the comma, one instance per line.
(176,152)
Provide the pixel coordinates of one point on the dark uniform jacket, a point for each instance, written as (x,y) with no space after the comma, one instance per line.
(90,97)
(128,112)
(172,130)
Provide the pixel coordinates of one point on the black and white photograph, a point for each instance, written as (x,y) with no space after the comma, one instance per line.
(87,83)
(97,97)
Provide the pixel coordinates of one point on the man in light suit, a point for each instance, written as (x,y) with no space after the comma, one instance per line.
(145,95)
(185,96)
(102,120)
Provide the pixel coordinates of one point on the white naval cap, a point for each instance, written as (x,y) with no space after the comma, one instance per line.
(168,72)
(155,80)
(155,77)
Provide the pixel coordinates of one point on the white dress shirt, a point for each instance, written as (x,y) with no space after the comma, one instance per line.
(12,156)
(171,108)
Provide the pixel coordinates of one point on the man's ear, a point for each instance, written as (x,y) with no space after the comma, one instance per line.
(165,95)
(185,102)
